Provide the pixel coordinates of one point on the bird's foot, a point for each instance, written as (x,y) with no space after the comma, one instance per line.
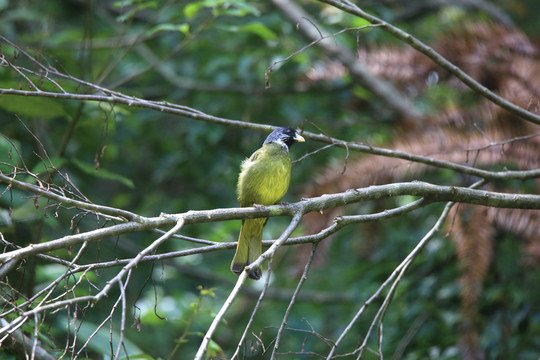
(258,206)
(238,269)
(255,274)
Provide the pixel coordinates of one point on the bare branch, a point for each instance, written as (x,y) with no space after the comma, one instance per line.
(395,277)
(389,94)
(102,94)
(255,309)
(351,8)
(137,259)
(46,192)
(266,255)
(293,299)
(430,192)
(65,293)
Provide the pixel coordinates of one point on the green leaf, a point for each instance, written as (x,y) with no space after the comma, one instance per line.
(208,292)
(254,28)
(140,6)
(358,22)
(361,93)
(102,173)
(122,3)
(140,356)
(222,7)
(259,29)
(213,350)
(183,28)
(192,9)
(241,8)
(34,107)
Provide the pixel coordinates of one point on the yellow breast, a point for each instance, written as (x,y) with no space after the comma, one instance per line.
(265,176)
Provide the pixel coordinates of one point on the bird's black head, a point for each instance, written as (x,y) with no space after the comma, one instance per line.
(285,136)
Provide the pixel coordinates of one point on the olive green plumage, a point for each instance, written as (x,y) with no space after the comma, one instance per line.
(264,179)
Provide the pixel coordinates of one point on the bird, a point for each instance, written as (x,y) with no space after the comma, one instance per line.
(263,180)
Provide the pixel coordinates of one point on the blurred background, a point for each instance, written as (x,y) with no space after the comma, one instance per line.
(473,292)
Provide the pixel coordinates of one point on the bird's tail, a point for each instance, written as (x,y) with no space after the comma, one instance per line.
(249,247)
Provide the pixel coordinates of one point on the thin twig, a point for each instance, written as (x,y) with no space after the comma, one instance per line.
(98,328)
(121,286)
(432,193)
(400,270)
(255,309)
(396,274)
(361,74)
(293,299)
(135,261)
(268,254)
(314,42)
(466,79)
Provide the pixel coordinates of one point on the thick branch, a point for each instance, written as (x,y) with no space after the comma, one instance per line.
(464,169)
(102,94)
(430,192)
(197,115)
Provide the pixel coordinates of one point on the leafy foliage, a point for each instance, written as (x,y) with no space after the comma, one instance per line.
(212,56)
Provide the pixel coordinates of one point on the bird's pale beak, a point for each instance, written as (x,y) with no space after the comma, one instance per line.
(299,138)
